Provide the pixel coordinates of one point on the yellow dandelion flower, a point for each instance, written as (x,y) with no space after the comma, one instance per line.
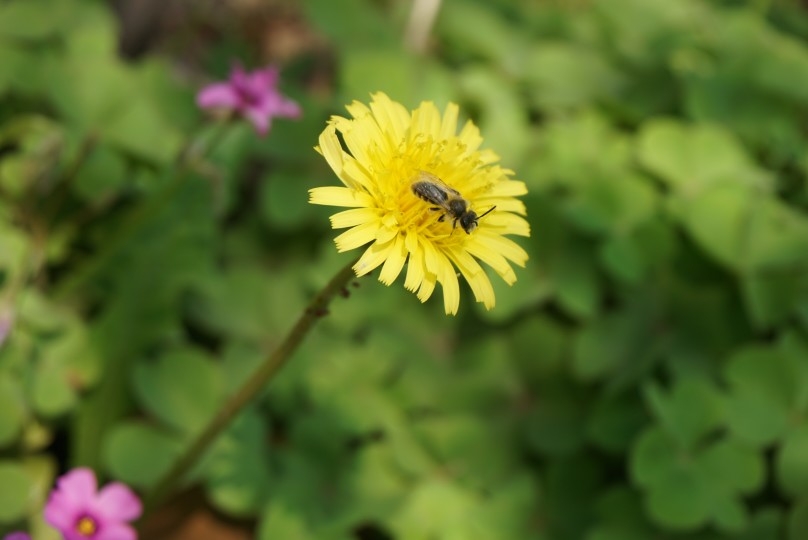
(387,151)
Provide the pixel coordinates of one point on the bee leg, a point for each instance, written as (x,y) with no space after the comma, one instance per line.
(442,217)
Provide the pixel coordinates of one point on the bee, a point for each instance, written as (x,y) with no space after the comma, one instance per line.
(435,191)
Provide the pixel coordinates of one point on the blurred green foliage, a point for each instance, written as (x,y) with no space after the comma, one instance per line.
(646,377)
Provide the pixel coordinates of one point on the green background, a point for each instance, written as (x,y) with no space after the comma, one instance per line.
(646,378)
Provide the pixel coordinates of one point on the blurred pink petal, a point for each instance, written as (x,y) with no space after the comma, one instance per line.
(254,95)
(80,512)
(217,95)
(116,501)
(288,109)
(78,486)
(72,534)
(265,78)
(17,536)
(116,532)
(259,119)
(61,512)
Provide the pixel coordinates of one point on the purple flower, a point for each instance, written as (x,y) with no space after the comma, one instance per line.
(81,512)
(254,95)
(17,536)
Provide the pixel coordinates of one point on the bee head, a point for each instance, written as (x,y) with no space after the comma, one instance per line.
(468,221)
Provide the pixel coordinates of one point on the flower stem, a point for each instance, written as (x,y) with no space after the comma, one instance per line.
(422,19)
(251,387)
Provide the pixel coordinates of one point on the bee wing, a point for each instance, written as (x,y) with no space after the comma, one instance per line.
(431,192)
(424,176)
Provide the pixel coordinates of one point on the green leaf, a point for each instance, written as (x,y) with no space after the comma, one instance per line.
(687,489)
(12,410)
(620,517)
(614,423)
(692,158)
(730,515)
(67,365)
(651,455)
(733,466)
(798,520)
(38,142)
(539,347)
(764,385)
(563,75)
(284,199)
(406,78)
(437,508)
(139,454)
(772,296)
(716,219)
(278,521)
(772,59)
(16,493)
(576,147)
(756,419)
(139,129)
(622,257)
(766,524)
(502,116)
(101,175)
(467,446)
(746,230)
(477,30)
(576,282)
(690,411)
(605,205)
(570,492)
(680,500)
(557,425)
(185,407)
(354,23)
(100,95)
(249,301)
(52,393)
(34,19)
(237,475)
(530,289)
(792,462)
(170,233)
(14,249)
(615,344)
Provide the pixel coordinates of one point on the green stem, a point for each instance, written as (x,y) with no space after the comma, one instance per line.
(253,385)
(202,147)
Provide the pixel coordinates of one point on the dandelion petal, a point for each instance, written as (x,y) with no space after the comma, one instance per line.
(357,236)
(339,196)
(394,263)
(372,258)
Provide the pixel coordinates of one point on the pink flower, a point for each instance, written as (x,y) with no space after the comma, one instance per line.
(81,512)
(253,95)
(17,536)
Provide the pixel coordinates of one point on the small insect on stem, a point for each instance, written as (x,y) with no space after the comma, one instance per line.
(435,191)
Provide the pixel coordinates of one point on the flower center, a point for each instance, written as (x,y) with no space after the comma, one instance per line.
(248,93)
(86,526)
